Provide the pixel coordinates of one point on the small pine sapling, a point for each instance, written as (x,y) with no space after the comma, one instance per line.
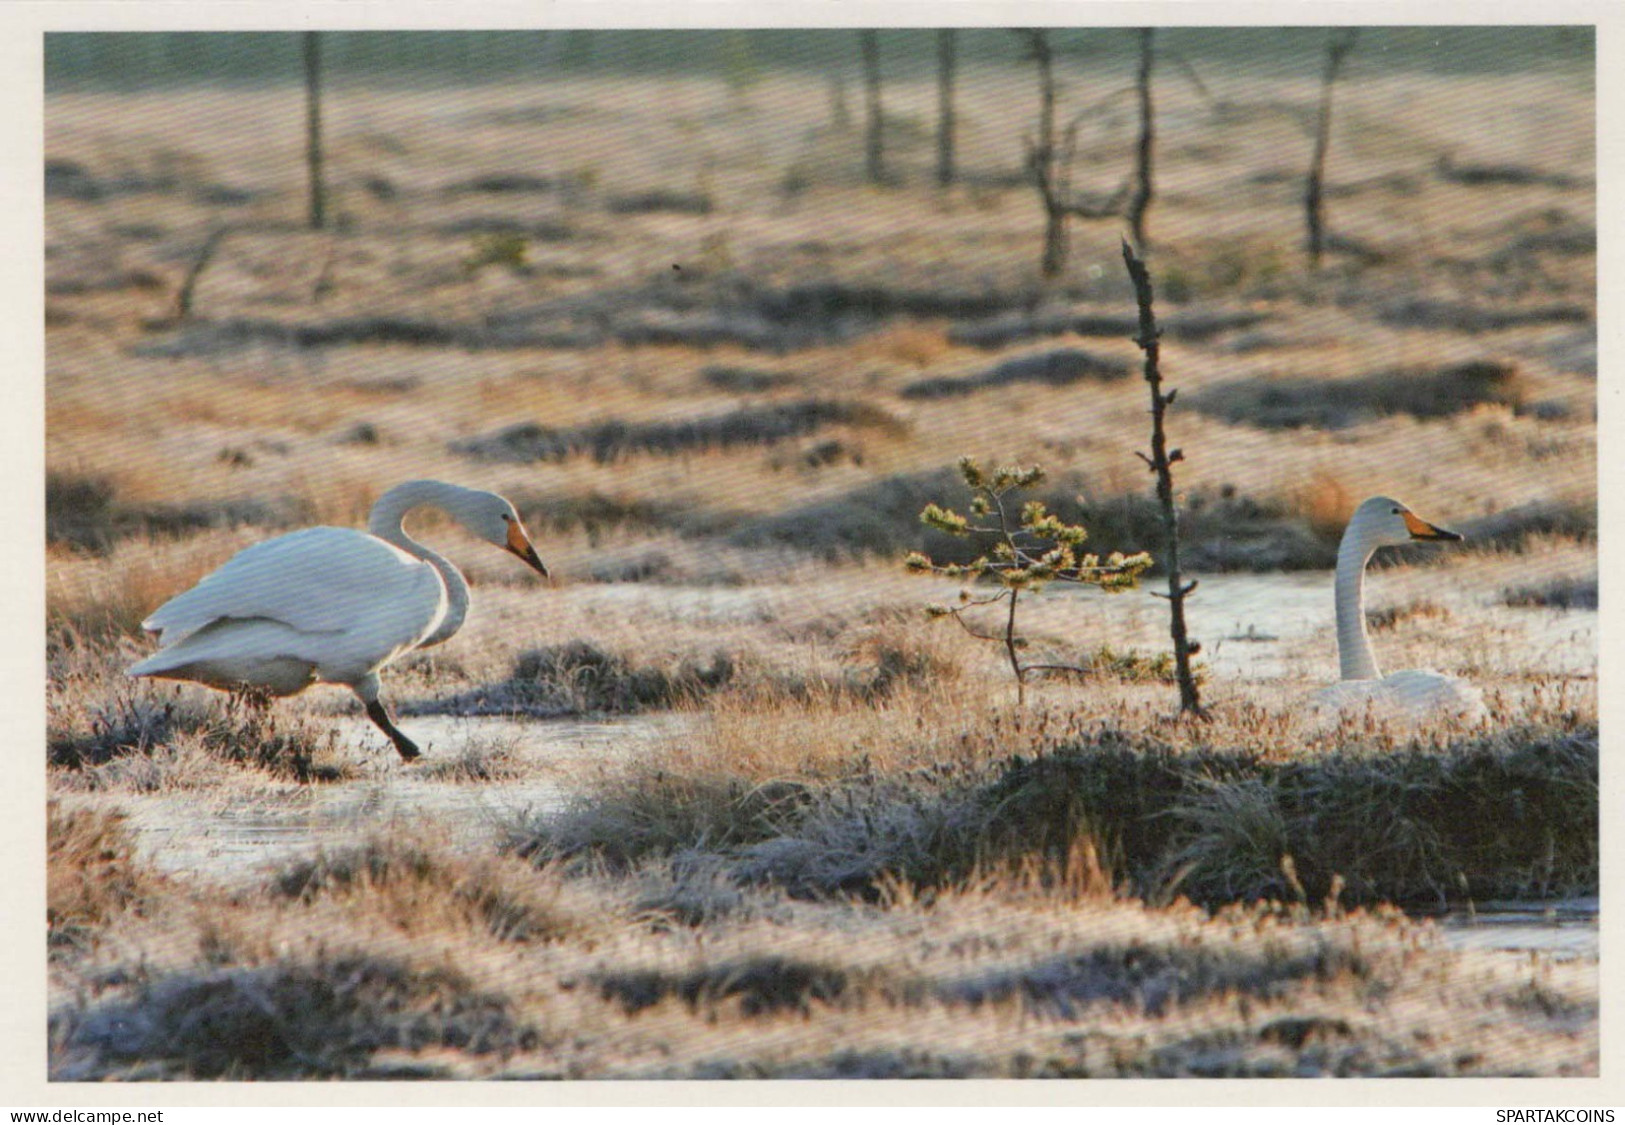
(1029,550)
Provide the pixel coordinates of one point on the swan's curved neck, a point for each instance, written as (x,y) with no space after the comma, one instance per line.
(385,522)
(1354,655)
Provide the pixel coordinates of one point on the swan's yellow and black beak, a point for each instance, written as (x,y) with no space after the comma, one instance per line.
(1422,529)
(519,543)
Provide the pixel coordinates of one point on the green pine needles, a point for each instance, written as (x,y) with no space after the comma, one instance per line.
(1030,548)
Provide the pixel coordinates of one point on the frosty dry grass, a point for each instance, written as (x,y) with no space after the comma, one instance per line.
(395,959)
(833,798)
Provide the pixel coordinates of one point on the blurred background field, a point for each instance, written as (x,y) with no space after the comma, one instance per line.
(646,286)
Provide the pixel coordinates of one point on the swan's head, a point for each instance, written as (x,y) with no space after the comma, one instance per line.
(1384,522)
(493,519)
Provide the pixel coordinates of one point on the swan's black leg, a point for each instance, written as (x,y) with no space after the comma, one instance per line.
(380,717)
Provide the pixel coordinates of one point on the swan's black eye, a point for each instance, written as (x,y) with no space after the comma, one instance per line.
(506,518)
(1396,512)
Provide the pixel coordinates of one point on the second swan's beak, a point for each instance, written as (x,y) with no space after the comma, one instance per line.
(519,543)
(1421,529)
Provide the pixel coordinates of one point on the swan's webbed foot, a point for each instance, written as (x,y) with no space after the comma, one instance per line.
(408,749)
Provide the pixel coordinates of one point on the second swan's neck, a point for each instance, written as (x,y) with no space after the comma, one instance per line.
(1354,655)
(385,522)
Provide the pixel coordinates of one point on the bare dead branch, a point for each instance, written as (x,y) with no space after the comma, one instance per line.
(1108,208)
(1195,79)
(1161,462)
(184,296)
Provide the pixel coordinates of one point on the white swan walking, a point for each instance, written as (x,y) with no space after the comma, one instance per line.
(1416,695)
(330,604)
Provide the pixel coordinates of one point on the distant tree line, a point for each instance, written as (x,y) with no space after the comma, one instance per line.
(123,60)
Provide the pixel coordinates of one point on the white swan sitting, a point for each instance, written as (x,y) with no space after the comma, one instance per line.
(1413,696)
(330,604)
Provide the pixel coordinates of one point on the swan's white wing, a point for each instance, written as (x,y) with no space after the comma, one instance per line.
(1417,696)
(1423,692)
(323,580)
(234,652)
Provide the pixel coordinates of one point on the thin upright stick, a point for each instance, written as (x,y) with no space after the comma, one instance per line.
(189,284)
(1161,462)
(313,128)
(945,106)
(1141,201)
(1314,191)
(874,160)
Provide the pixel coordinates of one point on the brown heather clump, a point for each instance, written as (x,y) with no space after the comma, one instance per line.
(908,342)
(1326,504)
(155,738)
(411,882)
(92,876)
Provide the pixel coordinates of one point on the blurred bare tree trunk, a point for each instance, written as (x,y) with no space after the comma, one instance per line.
(1141,200)
(313,128)
(839,116)
(946,60)
(1050,167)
(869,41)
(1337,48)
(1043,157)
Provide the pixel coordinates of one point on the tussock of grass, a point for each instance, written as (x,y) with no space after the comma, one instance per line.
(1285,403)
(611,441)
(1559,593)
(321,1018)
(215,337)
(503,183)
(142,736)
(594,511)
(759,985)
(1190,325)
(128,724)
(1458,316)
(578,677)
(664,815)
(91,873)
(591,679)
(657,202)
(1520,527)
(837,300)
(690,892)
(1491,175)
(476,759)
(411,882)
(879,518)
(84,513)
(1060,368)
(1392,617)
(494,226)
(747,380)
(1211,822)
